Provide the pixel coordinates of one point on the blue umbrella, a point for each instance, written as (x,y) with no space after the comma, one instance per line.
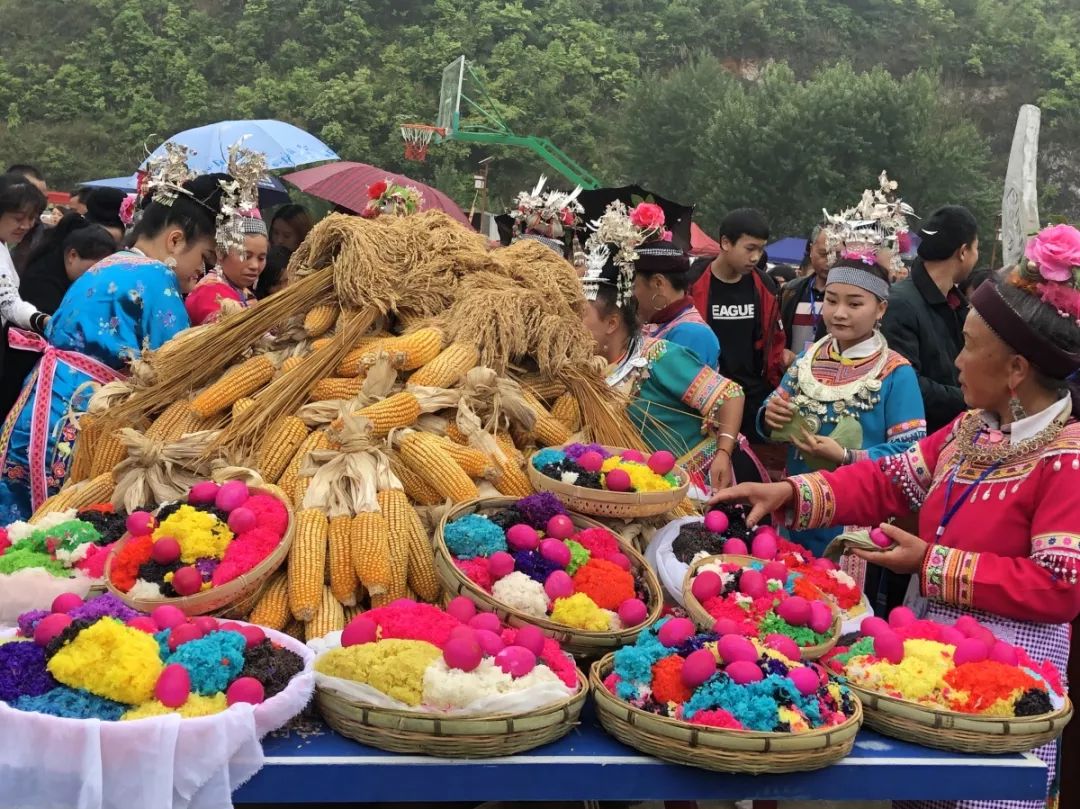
(284,145)
(271,190)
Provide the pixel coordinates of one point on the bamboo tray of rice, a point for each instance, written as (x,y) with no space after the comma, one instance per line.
(413,678)
(212,552)
(729,704)
(532,562)
(751,597)
(609,482)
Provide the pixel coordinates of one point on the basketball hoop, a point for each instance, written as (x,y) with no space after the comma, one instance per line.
(417,139)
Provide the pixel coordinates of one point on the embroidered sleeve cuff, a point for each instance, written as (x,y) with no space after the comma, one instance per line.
(856,455)
(1059,554)
(948,575)
(814,504)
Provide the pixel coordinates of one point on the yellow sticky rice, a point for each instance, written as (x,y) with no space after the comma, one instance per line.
(110,660)
(199,533)
(581,612)
(919,677)
(395,667)
(196,705)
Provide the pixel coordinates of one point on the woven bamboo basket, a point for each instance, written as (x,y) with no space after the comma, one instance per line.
(232,599)
(602,503)
(960,732)
(705,621)
(450,737)
(720,749)
(577,642)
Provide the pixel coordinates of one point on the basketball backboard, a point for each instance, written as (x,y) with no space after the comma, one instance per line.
(450,97)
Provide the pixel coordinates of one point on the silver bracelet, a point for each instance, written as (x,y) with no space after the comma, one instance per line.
(728,435)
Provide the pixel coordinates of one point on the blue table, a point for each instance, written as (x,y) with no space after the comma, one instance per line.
(589,765)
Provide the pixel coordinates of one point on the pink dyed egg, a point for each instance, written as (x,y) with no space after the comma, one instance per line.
(794,610)
(486,620)
(359,630)
(743,672)
(633,456)
(821,617)
(242,520)
(184,633)
(206,624)
(901,617)
(775,570)
(967,625)
(173,686)
(824,564)
(517,661)
(165,551)
(559,585)
(986,636)
(880,538)
(555,550)
(253,635)
(633,612)
(736,648)
(661,462)
(230,626)
(463,631)
(167,616)
(804,679)
(620,559)
(140,523)
(144,623)
(736,547)
(1002,652)
(66,602)
(752,583)
(675,632)
(490,643)
(617,480)
(717,522)
(500,564)
(764,544)
(462,653)
(531,638)
(204,493)
(725,626)
(784,645)
(950,635)
(698,667)
(874,626)
(522,537)
(245,689)
(970,650)
(591,461)
(560,527)
(462,609)
(889,646)
(50,626)
(187,581)
(232,495)
(706,585)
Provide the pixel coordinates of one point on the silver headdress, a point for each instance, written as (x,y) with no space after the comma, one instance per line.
(546,214)
(615,228)
(595,261)
(875,223)
(240,195)
(166,174)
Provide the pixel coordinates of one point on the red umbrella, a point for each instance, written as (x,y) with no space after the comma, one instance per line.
(346,184)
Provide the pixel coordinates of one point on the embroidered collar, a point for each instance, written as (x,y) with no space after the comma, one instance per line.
(672,310)
(860,351)
(631,362)
(1029,426)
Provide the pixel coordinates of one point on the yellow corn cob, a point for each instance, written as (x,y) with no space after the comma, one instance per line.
(475,463)
(371,552)
(82,458)
(512,480)
(329,617)
(289,480)
(448,367)
(422,577)
(547,390)
(342,577)
(307,561)
(272,609)
(453,432)
(567,410)
(336,387)
(353,363)
(423,453)
(79,495)
(320,320)
(395,507)
(322,342)
(380,600)
(415,486)
(109,450)
(176,420)
(400,410)
(291,363)
(414,350)
(548,430)
(241,405)
(280,446)
(239,381)
(294,629)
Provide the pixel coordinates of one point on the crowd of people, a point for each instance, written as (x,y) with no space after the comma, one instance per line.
(929,397)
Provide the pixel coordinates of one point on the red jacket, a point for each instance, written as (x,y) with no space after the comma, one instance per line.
(772,343)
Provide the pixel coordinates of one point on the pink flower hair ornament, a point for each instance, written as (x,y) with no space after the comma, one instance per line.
(127,209)
(1052,269)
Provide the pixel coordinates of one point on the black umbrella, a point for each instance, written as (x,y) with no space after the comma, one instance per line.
(677,215)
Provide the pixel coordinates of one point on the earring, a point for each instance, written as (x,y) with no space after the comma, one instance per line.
(170,262)
(662,303)
(1015,407)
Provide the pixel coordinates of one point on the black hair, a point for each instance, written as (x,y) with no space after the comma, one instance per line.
(945,231)
(977,278)
(81,192)
(1048,324)
(26,170)
(19,194)
(744,222)
(783,273)
(607,296)
(277,259)
(680,281)
(296,215)
(103,206)
(74,232)
(195,215)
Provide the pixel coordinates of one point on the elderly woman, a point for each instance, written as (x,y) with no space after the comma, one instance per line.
(996,490)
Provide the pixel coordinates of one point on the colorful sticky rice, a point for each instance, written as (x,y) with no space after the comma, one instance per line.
(772,693)
(958,668)
(200,541)
(437,662)
(589,465)
(532,558)
(66,544)
(103,660)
